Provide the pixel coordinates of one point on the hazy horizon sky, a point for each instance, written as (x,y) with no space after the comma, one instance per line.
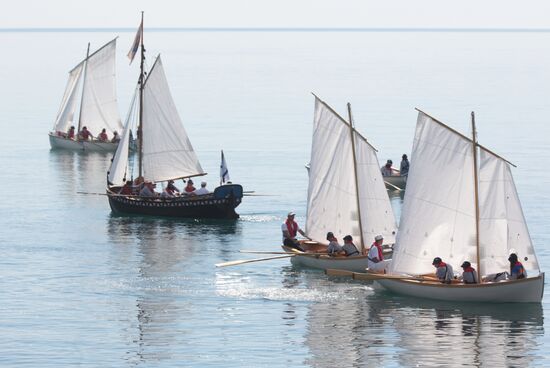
(281,13)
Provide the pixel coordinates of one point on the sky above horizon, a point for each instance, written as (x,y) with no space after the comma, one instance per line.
(281,13)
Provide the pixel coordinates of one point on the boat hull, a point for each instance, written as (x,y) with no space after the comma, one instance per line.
(326,262)
(220,204)
(58,142)
(397,181)
(529,290)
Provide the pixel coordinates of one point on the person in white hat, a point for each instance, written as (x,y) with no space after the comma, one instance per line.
(202,190)
(290,229)
(375,257)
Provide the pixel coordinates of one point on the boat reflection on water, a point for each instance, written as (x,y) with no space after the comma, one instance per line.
(76,171)
(158,258)
(360,327)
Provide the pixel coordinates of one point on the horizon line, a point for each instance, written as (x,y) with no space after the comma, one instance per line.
(275,29)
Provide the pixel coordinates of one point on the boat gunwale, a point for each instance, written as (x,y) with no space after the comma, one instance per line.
(323,256)
(434,283)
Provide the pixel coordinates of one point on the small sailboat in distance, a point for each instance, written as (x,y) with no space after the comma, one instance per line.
(165,154)
(91,89)
(460,211)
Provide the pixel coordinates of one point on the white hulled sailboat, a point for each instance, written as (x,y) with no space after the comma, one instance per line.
(91,89)
(460,212)
(346,192)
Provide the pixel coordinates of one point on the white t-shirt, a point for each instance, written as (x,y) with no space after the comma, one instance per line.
(285,228)
(373,253)
(201,191)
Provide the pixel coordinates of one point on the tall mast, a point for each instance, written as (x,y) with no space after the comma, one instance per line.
(351,131)
(140,118)
(476,195)
(83,85)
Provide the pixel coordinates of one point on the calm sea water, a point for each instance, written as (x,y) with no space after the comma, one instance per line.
(81,286)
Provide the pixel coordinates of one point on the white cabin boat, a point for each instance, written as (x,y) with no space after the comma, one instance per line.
(460,211)
(346,193)
(91,89)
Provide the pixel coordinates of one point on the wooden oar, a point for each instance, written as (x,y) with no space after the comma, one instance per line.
(242,261)
(338,273)
(104,194)
(393,186)
(379,276)
(297,252)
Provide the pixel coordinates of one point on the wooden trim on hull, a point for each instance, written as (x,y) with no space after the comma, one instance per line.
(529,290)
(208,206)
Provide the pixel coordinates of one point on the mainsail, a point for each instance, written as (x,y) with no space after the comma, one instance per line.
(332,190)
(167,151)
(65,116)
(99,102)
(438,217)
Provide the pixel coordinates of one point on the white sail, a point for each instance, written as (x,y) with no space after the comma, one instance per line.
(438,217)
(503,229)
(99,107)
(167,151)
(376,213)
(332,198)
(66,115)
(119,165)
(332,191)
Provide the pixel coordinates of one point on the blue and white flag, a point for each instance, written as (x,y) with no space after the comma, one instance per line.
(224,172)
(135,45)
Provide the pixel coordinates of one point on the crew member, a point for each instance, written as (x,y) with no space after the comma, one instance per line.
(375,257)
(516,268)
(290,229)
(349,248)
(469,274)
(444,271)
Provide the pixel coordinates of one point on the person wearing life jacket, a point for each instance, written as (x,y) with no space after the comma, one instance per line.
(70,133)
(375,257)
(333,248)
(290,229)
(444,271)
(349,248)
(84,134)
(516,268)
(469,274)
(103,136)
(189,188)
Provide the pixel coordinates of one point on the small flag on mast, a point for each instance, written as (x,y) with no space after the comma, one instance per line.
(224,173)
(135,45)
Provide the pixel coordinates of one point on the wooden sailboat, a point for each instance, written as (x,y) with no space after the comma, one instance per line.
(165,153)
(92,85)
(460,211)
(346,193)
